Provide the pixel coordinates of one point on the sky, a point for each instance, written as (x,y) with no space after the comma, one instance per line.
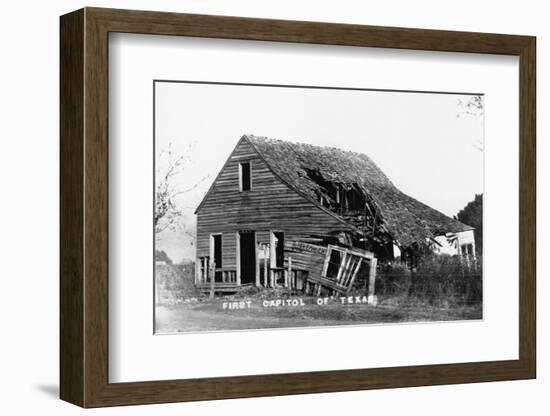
(428,144)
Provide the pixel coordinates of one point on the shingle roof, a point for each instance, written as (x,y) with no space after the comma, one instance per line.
(405,218)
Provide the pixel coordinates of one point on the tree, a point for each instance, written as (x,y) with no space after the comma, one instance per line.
(474,106)
(167,211)
(160,255)
(472,215)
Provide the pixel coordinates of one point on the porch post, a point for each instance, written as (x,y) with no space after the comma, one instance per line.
(372,281)
(212,273)
(257,248)
(265,265)
(197,270)
(290,273)
(238,259)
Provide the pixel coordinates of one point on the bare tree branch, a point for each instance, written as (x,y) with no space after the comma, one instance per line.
(475,107)
(167,212)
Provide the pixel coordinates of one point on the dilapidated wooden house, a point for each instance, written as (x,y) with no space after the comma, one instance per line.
(312,218)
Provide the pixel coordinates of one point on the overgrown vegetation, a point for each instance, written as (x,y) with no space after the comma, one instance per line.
(439,280)
(439,288)
(393,280)
(160,255)
(174,283)
(472,215)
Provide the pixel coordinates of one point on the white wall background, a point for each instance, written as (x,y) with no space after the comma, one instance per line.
(29,159)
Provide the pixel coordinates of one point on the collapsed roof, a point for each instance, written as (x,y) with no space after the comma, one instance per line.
(311,170)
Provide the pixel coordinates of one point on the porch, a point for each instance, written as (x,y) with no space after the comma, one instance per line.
(314,270)
(210,278)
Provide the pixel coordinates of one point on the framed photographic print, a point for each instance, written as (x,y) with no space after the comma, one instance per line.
(255,207)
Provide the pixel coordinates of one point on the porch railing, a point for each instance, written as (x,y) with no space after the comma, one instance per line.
(207,271)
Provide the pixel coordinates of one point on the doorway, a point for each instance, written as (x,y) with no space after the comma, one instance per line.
(216,255)
(247,256)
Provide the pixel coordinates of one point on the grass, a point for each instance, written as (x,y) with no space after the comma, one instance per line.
(210,314)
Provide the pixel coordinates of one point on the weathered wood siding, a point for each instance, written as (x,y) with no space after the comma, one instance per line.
(310,260)
(269,205)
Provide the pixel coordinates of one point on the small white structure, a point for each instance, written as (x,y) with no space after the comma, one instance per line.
(456,243)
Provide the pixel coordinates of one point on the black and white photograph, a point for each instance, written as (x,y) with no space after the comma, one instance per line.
(285,206)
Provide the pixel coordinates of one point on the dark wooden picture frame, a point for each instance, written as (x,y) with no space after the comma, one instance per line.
(84,207)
